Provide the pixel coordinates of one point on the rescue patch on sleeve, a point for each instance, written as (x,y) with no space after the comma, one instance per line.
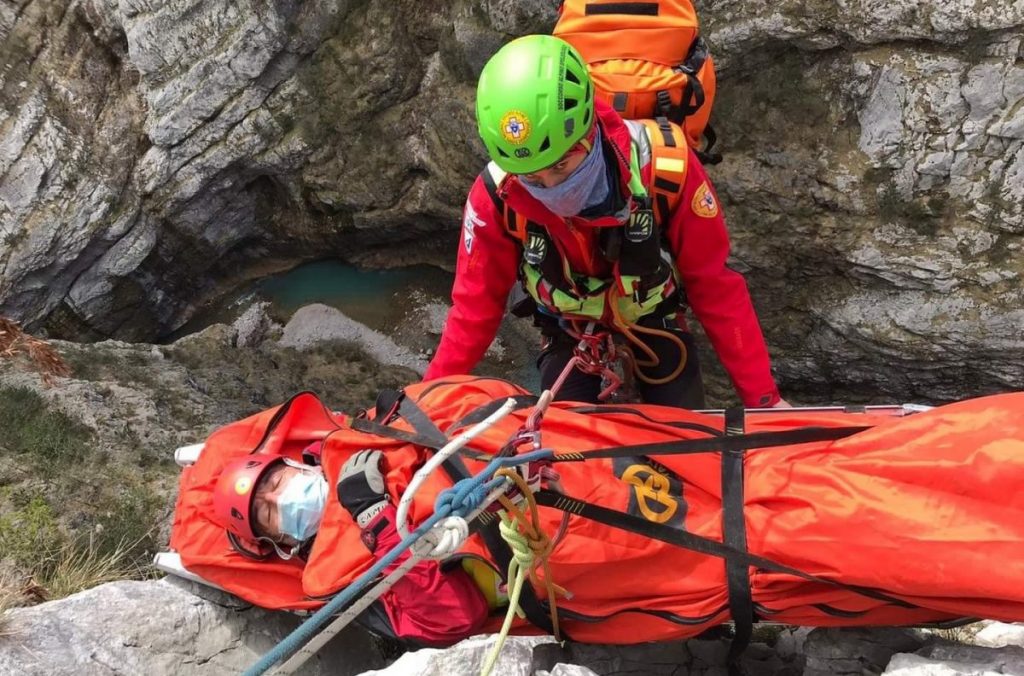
(470,221)
(704,203)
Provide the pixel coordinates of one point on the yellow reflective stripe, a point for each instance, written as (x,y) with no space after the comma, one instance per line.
(672,164)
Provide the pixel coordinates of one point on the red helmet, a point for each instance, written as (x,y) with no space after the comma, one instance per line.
(232,496)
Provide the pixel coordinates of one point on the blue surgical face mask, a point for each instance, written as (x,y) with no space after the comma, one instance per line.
(586,186)
(301,503)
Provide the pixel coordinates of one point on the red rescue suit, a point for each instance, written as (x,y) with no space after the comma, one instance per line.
(489,260)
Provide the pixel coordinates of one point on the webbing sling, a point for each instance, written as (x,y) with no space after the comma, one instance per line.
(428,432)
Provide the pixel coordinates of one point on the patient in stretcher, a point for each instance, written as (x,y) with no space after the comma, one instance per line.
(886,520)
(271,506)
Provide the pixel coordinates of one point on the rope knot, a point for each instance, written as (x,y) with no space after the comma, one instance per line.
(461,499)
(522,547)
(444,539)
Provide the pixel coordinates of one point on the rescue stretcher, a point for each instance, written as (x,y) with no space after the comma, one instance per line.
(677,521)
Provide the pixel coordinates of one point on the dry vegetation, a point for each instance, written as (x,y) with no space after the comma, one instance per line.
(40,355)
(66,570)
(77,568)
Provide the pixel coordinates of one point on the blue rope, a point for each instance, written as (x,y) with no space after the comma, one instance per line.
(459,500)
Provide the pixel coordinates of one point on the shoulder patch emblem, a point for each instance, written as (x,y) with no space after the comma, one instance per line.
(704,203)
(470,222)
(515,127)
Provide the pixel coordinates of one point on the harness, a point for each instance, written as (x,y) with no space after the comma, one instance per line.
(644,281)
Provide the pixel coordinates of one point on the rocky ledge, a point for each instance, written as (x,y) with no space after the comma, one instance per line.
(113,629)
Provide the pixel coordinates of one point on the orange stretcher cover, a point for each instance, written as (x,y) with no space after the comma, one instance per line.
(925,508)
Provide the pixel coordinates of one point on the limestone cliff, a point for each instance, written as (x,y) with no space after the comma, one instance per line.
(153,152)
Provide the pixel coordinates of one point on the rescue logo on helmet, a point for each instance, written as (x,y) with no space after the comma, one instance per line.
(704,203)
(657,491)
(515,127)
(242,485)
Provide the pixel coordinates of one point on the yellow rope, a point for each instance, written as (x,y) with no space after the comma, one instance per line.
(530,549)
(627,328)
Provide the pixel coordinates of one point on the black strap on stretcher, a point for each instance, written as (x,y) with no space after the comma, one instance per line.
(724,444)
(734,534)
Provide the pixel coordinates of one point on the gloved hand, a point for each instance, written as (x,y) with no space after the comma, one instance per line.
(361,488)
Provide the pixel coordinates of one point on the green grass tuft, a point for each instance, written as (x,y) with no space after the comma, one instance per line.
(47,438)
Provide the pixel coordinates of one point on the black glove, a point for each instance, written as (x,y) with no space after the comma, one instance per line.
(361,488)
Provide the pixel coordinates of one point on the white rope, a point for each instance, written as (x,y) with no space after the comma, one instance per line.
(449,449)
(444,539)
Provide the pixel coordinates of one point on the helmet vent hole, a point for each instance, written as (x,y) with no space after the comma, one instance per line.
(586,117)
(571,103)
(235,514)
(572,55)
(571,77)
(501,152)
(545,144)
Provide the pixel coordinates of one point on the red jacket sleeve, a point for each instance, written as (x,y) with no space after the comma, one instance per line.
(484,274)
(718,295)
(427,605)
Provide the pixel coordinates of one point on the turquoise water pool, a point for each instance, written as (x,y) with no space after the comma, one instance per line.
(377,298)
(391,301)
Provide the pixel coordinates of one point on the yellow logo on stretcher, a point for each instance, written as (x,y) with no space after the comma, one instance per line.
(653,498)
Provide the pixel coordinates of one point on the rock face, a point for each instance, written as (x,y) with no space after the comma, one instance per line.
(198,631)
(957,660)
(873,175)
(160,628)
(153,152)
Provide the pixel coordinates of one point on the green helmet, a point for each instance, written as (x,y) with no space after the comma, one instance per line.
(533,102)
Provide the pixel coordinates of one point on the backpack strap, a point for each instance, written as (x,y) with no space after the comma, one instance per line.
(515,225)
(669,155)
(693,94)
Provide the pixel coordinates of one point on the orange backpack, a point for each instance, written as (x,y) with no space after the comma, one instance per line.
(647,60)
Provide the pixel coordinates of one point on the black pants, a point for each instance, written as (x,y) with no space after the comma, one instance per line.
(684,391)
